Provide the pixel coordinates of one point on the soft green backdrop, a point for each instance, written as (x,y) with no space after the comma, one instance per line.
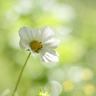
(74,22)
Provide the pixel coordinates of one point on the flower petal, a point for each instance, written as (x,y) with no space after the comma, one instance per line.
(51,43)
(38,35)
(50,56)
(24,45)
(47,33)
(25,34)
(34,33)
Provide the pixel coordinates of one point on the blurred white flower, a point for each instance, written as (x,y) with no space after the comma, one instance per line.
(40,41)
(56,88)
(64,12)
(23,6)
(75,73)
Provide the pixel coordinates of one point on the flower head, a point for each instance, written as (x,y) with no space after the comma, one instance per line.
(40,41)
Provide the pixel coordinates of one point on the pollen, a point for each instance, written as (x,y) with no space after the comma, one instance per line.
(36,46)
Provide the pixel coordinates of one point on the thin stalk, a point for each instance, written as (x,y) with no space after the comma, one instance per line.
(20,75)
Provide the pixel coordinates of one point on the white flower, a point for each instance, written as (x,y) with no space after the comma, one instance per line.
(56,88)
(40,41)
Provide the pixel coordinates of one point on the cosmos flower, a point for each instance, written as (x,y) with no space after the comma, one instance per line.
(53,88)
(40,41)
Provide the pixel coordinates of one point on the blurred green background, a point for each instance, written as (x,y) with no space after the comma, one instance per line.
(74,22)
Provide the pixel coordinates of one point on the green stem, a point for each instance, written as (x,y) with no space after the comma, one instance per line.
(20,75)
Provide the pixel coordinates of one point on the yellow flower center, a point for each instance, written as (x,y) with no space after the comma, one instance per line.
(36,46)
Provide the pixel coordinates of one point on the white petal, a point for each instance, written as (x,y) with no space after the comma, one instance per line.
(52,43)
(45,59)
(50,56)
(33,33)
(38,35)
(24,45)
(47,33)
(25,34)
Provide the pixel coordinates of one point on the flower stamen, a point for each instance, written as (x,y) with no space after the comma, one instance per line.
(36,46)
